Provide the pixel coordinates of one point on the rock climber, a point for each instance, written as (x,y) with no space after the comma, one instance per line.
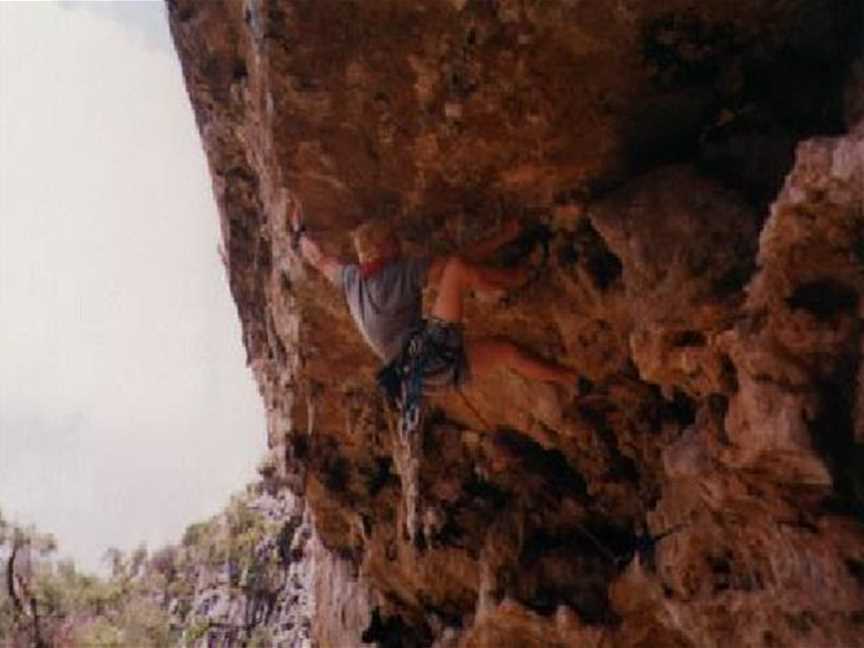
(384,294)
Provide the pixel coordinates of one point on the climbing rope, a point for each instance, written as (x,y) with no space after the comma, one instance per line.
(607,553)
(483,422)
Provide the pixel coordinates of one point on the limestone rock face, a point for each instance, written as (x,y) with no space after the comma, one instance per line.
(696,175)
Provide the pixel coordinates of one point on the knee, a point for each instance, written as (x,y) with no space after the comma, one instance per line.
(511,352)
(504,350)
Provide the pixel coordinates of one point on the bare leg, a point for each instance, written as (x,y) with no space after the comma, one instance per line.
(479,252)
(460,276)
(486,354)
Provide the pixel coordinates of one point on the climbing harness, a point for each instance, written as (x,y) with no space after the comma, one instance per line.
(430,360)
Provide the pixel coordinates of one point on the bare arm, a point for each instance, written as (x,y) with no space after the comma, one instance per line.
(326,265)
(307,247)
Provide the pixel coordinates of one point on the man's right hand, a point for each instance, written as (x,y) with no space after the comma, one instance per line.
(306,247)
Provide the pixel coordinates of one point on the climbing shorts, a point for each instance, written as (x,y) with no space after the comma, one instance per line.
(441,355)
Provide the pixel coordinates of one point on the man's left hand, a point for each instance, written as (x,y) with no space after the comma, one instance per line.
(296,217)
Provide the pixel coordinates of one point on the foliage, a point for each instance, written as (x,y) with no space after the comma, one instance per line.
(52,603)
(148,599)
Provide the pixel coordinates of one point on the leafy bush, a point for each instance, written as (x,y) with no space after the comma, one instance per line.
(149,600)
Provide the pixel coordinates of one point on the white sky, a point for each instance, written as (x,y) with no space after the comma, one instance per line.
(126,409)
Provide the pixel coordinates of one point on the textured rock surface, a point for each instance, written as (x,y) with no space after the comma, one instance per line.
(243,577)
(699,171)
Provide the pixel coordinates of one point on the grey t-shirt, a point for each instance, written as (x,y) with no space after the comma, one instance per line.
(387,305)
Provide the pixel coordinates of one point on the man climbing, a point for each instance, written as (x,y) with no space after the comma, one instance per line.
(384,295)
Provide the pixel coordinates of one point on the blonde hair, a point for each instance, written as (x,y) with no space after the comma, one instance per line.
(374,240)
